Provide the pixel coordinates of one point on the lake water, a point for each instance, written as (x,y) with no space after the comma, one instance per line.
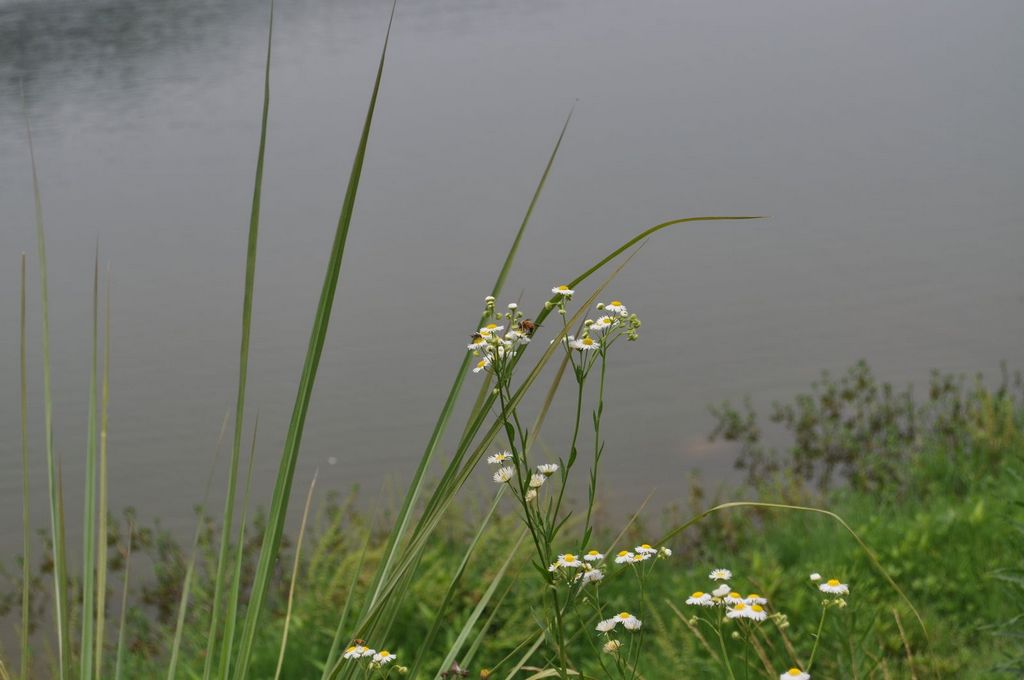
(881,139)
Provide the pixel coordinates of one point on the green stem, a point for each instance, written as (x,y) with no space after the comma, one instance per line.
(725,652)
(817,638)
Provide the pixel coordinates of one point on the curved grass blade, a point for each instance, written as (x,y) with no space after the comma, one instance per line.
(186,588)
(236,583)
(101,542)
(441,425)
(60,580)
(295,575)
(293,440)
(26,573)
(88,647)
(119,659)
(799,508)
(243,367)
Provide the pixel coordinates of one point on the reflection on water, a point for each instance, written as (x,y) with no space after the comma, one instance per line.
(887,159)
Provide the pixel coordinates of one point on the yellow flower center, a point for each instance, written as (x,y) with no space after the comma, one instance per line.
(740,606)
(563,288)
(833,582)
(385,652)
(625,615)
(736,595)
(697,595)
(757,608)
(793,671)
(646,546)
(481,363)
(568,557)
(593,552)
(350,649)
(616,303)
(587,341)
(623,553)
(753,596)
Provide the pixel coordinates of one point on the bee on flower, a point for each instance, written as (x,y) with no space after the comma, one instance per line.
(593,556)
(628,621)
(700,599)
(720,575)
(834,587)
(504,474)
(499,458)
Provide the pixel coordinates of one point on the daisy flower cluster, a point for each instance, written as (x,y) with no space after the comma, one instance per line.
(598,334)
(737,606)
(834,588)
(495,345)
(505,474)
(358,651)
(582,569)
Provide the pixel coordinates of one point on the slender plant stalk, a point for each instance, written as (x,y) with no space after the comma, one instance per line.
(101,542)
(25,529)
(60,581)
(236,583)
(119,661)
(295,575)
(186,587)
(243,367)
(293,440)
(89,513)
(817,639)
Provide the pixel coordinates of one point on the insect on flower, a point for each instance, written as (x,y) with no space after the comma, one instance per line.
(528,327)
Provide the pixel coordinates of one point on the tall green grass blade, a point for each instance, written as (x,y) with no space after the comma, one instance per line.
(101,542)
(799,508)
(60,581)
(441,425)
(121,647)
(228,639)
(449,594)
(186,587)
(478,610)
(88,648)
(26,573)
(525,658)
(243,367)
(295,576)
(286,471)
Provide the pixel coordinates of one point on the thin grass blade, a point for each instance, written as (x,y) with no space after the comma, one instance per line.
(101,541)
(60,581)
(243,366)
(295,576)
(293,440)
(26,573)
(119,658)
(89,531)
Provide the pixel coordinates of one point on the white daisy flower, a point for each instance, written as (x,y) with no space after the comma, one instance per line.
(383,656)
(568,560)
(733,598)
(616,307)
(491,329)
(478,342)
(591,575)
(531,495)
(367,651)
(593,556)
(356,652)
(624,556)
(611,646)
(628,621)
(721,591)
(795,674)
(482,365)
(743,611)
(834,587)
(564,291)
(815,576)
(584,344)
(548,468)
(645,549)
(720,575)
(754,598)
(513,306)
(602,324)
(537,480)
(700,599)
(499,458)
(504,474)
(642,557)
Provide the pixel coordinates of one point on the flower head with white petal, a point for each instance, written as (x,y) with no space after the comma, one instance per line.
(499,458)
(628,621)
(795,674)
(700,599)
(504,474)
(537,480)
(720,575)
(722,590)
(593,556)
(646,549)
(564,291)
(548,468)
(834,587)
(383,657)
(624,557)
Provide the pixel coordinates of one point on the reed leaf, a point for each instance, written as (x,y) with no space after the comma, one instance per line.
(89,529)
(295,575)
(26,572)
(119,657)
(286,471)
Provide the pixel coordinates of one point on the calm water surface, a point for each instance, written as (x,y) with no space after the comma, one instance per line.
(882,140)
